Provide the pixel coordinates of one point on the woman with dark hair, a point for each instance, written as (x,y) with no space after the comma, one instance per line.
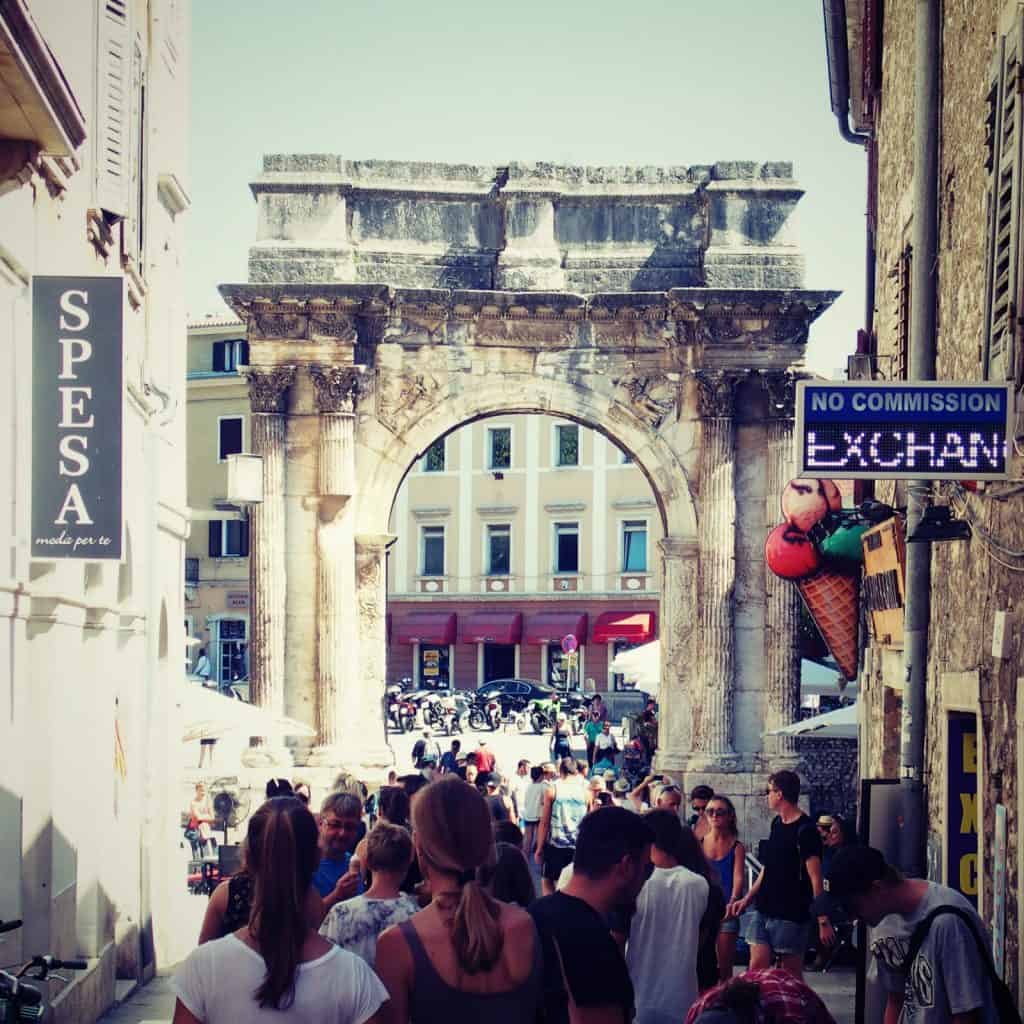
(692,856)
(484,960)
(727,856)
(510,880)
(669,913)
(276,967)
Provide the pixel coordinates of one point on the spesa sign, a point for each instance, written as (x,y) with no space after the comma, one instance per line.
(908,430)
(77,422)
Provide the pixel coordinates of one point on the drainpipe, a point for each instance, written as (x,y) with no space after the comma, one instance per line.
(838,56)
(927,69)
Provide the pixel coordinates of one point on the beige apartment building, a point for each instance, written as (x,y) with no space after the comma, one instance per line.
(217,553)
(511,534)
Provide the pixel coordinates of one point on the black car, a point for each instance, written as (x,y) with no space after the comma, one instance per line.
(515,693)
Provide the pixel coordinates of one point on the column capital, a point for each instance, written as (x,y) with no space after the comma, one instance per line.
(379,542)
(679,547)
(268,389)
(716,393)
(337,388)
(781,391)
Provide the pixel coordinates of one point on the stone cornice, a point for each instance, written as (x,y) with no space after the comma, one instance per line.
(704,315)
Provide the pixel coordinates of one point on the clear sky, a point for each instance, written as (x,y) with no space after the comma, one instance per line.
(597,82)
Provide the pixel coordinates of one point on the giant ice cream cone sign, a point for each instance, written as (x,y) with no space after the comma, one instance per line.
(819,549)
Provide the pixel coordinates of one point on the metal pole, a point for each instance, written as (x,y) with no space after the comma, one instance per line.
(922,367)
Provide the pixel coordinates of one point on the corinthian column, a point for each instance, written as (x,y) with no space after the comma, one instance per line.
(268,397)
(675,692)
(782,600)
(712,748)
(336,390)
(369,746)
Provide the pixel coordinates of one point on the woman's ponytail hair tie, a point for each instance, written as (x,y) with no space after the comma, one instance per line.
(467,876)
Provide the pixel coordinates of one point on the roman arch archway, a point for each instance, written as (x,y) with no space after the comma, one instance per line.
(350,382)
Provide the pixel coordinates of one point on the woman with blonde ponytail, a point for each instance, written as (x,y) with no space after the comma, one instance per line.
(465,956)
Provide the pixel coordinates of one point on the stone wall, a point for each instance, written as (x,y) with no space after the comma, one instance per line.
(519,227)
(969,585)
(828,769)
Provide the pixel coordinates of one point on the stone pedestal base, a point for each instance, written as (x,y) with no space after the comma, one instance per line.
(715,764)
(274,757)
(326,755)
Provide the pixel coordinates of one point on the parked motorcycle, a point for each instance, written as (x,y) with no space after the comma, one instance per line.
(484,713)
(401,711)
(452,715)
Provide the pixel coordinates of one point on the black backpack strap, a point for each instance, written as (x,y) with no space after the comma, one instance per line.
(920,933)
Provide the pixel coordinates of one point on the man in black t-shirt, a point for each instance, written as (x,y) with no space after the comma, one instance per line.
(582,962)
(789,880)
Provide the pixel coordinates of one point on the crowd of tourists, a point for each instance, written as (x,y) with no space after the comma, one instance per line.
(425,909)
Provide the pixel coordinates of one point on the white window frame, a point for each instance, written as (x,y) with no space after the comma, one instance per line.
(222,419)
(416,664)
(489,448)
(224,553)
(556,448)
(423,462)
(487,550)
(556,571)
(213,623)
(422,562)
(622,546)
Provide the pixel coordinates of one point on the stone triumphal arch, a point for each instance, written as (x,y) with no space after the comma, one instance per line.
(389,303)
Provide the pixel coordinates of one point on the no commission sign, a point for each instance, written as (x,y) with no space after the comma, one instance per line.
(884,431)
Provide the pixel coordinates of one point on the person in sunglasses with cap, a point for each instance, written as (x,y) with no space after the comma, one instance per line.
(947,980)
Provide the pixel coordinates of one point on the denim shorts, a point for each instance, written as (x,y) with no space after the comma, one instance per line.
(730,926)
(787,937)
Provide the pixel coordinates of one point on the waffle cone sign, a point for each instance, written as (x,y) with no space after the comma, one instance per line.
(833,600)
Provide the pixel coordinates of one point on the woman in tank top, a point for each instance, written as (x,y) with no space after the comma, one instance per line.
(726,854)
(465,956)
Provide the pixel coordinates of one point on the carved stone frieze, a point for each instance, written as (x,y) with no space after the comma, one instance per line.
(268,389)
(337,388)
(716,393)
(651,398)
(335,326)
(279,326)
(781,391)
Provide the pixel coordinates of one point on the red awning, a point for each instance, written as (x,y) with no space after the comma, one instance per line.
(550,627)
(426,628)
(492,628)
(635,627)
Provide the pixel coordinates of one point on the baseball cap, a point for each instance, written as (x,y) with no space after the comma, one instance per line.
(852,871)
(621,786)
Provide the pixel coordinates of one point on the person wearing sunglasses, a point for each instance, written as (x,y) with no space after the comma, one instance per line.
(699,797)
(727,855)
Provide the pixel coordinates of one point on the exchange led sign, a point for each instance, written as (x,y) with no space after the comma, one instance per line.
(915,431)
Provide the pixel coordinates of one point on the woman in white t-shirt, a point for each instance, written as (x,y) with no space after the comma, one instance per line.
(277,968)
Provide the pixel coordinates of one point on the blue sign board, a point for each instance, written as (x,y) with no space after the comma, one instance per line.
(916,431)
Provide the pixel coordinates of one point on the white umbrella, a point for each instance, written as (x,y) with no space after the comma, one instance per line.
(838,724)
(640,666)
(210,715)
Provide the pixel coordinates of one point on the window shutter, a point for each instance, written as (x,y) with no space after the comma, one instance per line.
(113,136)
(243,544)
(215,538)
(218,356)
(1003,278)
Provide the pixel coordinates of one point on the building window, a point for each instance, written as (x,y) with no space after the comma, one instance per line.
(634,545)
(619,681)
(432,538)
(567,444)
(434,667)
(232,662)
(229,538)
(499,550)
(191,570)
(563,669)
(229,355)
(229,436)
(499,447)
(567,547)
(433,461)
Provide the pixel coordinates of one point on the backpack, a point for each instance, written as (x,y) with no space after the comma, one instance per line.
(1002,998)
